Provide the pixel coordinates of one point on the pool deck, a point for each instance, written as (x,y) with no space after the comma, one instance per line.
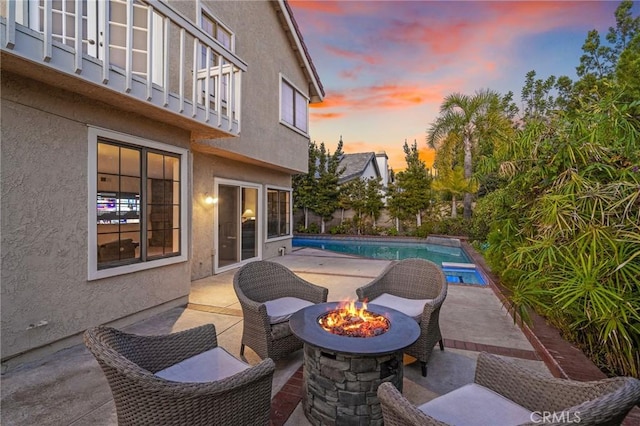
(68,387)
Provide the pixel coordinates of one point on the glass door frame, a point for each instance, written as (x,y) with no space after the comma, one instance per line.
(258,222)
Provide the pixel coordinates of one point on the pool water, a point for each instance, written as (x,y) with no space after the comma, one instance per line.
(397,250)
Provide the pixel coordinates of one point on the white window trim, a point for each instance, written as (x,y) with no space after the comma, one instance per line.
(296,89)
(266,209)
(259,241)
(202,8)
(93,272)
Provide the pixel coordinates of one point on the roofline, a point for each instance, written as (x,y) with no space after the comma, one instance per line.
(372,159)
(302,51)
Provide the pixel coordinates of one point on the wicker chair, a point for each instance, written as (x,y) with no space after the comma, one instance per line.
(413,279)
(130,363)
(558,401)
(260,282)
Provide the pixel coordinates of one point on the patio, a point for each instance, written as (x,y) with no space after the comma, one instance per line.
(68,388)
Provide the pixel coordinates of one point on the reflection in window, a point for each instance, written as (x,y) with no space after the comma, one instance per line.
(294,106)
(278,217)
(138,200)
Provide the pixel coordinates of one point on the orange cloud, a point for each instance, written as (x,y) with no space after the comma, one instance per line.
(333,100)
(326,115)
(375,98)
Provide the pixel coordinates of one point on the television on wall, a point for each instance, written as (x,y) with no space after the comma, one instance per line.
(118,207)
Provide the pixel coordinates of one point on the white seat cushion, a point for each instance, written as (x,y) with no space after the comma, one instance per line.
(409,307)
(475,405)
(280,310)
(209,366)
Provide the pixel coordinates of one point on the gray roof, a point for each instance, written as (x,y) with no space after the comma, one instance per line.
(355,164)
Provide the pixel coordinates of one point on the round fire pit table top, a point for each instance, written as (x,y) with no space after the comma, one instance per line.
(403,331)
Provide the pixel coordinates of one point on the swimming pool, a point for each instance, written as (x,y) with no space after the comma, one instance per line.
(453,260)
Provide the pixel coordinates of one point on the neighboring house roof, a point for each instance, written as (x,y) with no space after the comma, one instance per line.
(316,91)
(355,165)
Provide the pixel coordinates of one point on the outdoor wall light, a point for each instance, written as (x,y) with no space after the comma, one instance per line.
(209,199)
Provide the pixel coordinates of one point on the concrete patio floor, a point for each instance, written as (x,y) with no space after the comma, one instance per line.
(68,387)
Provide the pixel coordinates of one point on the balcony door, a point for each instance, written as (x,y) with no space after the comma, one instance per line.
(238,223)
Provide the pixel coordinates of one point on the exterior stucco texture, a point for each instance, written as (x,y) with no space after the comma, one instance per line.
(45,215)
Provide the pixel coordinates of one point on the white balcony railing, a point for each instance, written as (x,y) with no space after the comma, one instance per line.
(141,49)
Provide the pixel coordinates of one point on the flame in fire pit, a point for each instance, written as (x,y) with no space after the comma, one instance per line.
(350,321)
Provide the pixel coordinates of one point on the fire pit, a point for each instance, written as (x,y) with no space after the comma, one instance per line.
(344,365)
(353,321)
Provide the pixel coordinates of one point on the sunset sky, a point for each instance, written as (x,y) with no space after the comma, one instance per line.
(387,65)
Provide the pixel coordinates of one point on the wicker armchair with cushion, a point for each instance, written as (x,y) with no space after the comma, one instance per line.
(182,378)
(505,393)
(269,294)
(416,287)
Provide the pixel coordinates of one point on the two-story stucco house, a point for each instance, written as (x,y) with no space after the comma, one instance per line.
(145,143)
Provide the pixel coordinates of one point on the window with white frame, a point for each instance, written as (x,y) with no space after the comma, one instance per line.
(216,29)
(278,212)
(294,106)
(137,217)
(225,37)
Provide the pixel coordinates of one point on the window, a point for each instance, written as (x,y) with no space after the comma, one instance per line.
(293,106)
(278,212)
(137,215)
(215,29)
(225,37)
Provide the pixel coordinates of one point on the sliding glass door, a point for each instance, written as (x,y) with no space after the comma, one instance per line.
(237,219)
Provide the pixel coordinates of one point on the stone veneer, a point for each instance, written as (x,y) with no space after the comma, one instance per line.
(341,388)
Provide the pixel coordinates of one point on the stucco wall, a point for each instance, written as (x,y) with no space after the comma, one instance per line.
(262,43)
(206,167)
(44,187)
(44,219)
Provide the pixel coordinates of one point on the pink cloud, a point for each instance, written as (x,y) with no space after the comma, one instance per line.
(351,74)
(317,6)
(370,59)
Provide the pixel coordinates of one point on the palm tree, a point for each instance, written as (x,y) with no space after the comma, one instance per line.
(467,117)
(454,183)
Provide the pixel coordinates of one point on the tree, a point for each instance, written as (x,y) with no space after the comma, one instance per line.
(344,201)
(628,73)
(305,184)
(627,27)
(465,116)
(373,198)
(411,189)
(576,211)
(327,191)
(562,227)
(355,191)
(454,183)
(395,203)
(597,69)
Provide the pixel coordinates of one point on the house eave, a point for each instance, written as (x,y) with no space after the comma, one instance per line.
(316,90)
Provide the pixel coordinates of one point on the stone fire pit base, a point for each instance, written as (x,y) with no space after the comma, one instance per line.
(340,388)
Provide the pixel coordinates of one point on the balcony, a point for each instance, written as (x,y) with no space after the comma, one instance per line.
(140,56)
